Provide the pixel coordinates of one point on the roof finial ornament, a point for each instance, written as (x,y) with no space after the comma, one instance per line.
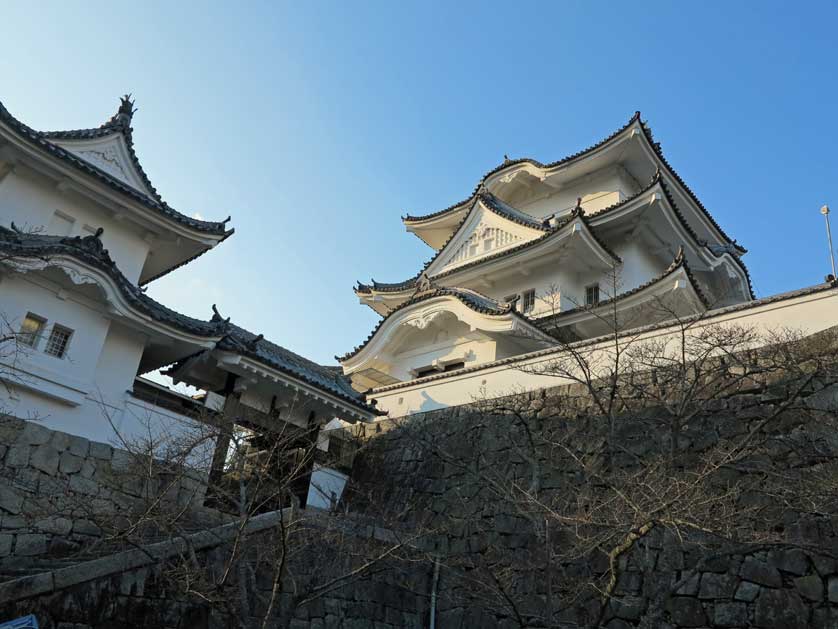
(657,174)
(216,316)
(506,159)
(679,257)
(125,112)
(252,343)
(579,210)
(423,283)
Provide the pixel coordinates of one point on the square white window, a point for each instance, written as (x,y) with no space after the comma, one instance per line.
(488,244)
(528,299)
(59,341)
(31,329)
(592,295)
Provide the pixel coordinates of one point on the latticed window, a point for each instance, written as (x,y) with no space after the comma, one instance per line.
(592,295)
(528,301)
(58,341)
(31,329)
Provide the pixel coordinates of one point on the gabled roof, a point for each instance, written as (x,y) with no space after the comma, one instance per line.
(472,299)
(513,162)
(256,347)
(679,263)
(590,221)
(543,225)
(120,123)
(510,163)
(18,245)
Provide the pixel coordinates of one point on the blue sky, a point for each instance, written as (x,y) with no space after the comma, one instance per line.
(317,125)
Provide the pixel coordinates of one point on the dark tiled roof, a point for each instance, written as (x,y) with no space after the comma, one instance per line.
(364,289)
(524,160)
(120,123)
(680,262)
(656,147)
(802,292)
(383,287)
(15,244)
(471,298)
(647,132)
(327,378)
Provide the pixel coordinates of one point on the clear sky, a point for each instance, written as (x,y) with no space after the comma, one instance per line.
(317,125)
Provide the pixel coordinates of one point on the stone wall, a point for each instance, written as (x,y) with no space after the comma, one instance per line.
(57,490)
(785,578)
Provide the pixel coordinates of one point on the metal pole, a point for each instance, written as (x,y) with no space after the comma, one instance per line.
(825,212)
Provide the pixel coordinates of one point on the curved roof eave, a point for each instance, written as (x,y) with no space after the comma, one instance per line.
(508,163)
(678,264)
(255,347)
(470,298)
(88,251)
(120,123)
(655,147)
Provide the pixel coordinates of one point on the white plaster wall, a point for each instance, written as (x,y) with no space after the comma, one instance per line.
(597,191)
(808,314)
(638,267)
(474,349)
(20,294)
(31,202)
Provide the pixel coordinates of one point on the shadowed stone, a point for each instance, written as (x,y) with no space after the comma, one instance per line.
(686,612)
(101,451)
(810,587)
(78,446)
(833,589)
(18,456)
(780,609)
(760,572)
(730,615)
(45,458)
(10,501)
(70,463)
(29,544)
(33,435)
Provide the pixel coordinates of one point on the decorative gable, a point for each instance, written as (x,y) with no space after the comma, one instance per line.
(109,154)
(484,233)
(485,239)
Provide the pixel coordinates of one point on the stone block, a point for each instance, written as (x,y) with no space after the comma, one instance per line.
(18,456)
(6,545)
(730,615)
(33,435)
(686,611)
(832,587)
(825,618)
(78,446)
(825,565)
(70,463)
(54,525)
(10,500)
(60,441)
(760,572)
(747,591)
(810,587)
(689,587)
(45,458)
(88,468)
(780,609)
(30,544)
(716,586)
(82,485)
(628,607)
(101,451)
(86,527)
(793,561)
